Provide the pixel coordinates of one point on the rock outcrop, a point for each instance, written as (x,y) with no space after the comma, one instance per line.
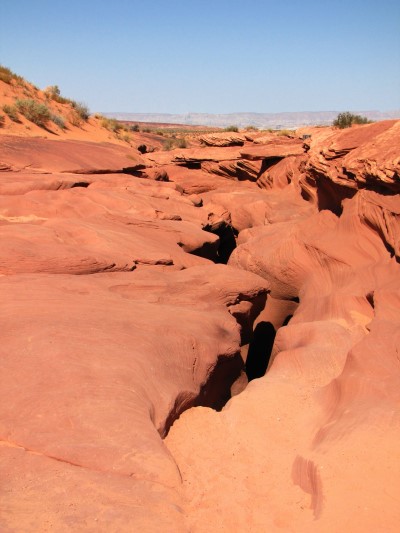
(127,342)
(315,439)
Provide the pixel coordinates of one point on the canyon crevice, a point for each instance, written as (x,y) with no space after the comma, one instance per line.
(201,339)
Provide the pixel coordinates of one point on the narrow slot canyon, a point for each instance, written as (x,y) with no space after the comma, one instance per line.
(202,339)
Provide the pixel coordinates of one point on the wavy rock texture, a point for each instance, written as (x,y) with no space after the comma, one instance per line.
(312,445)
(124,404)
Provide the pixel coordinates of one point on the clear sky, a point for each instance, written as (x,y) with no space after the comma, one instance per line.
(209,56)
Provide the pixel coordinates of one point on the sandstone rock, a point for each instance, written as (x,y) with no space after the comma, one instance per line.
(67,156)
(111,381)
(103,376)
(331,388)
(194,181)
(279,175)
(102,230)
(342,161)
(196,156)
(274,149)
(223,139)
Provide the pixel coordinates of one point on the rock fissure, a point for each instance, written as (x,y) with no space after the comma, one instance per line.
(250,259)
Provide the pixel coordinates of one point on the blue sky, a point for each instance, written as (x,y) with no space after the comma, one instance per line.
(217,56)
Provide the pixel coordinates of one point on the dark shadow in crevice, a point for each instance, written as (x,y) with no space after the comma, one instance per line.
(191,165)
(260,349)
(217,390)
(133,171)
(370,299)
(215,393)
(267,163)
(330,195)
(80,184)
(287,320)
(227,243)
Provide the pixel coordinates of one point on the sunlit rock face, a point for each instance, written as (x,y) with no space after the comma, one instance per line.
(142,292)
(315,438)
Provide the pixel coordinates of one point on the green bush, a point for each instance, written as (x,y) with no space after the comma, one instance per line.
(58,121)
(232,128)
(111,124)
(81,109)
(12,112)
(37,113)
(53,93)
(347,119)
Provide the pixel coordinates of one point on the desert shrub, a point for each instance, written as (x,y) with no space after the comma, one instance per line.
(347,119)
(285,133)
(168,144)
(62,100)
(58,121)
(134,127)
(111,124)
(126,138)
(75,119)
(35,112)
(232,128)
(174,142)
(81,109)
(53,93)
(2,119)
(7,75)
(181,143)
(251,128)
(12,112)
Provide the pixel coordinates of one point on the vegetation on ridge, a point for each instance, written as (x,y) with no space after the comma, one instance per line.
(232,128)
(33,111)
(53,93)
(7,75)
(11,111)
(347,119)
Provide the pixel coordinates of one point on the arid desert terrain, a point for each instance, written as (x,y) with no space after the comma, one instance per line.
(200,331)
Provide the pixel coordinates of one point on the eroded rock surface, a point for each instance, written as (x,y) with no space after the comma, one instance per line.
(122,340)
(311,446)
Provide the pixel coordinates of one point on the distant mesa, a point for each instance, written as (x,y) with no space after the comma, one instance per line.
(287,120)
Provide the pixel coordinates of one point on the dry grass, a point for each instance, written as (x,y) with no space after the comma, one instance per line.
(35,112)
(12,112)
(7,75)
